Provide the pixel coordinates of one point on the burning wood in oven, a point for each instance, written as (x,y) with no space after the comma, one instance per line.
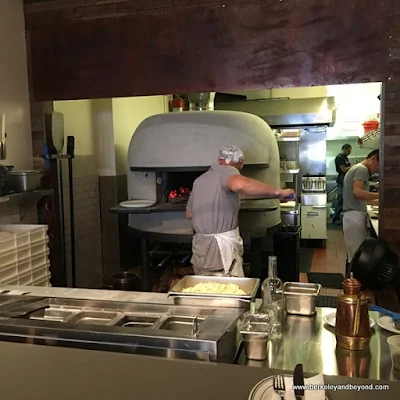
(180,195)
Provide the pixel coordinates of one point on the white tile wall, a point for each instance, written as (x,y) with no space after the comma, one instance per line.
(14,212)
(88,244)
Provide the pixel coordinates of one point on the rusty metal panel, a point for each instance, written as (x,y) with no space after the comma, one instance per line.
(263,44)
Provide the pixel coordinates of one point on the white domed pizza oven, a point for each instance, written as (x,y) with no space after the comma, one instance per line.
(168,152)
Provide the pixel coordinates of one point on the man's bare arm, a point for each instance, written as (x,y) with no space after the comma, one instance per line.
(251,187)
(344,169)
(189,207)
(361,194)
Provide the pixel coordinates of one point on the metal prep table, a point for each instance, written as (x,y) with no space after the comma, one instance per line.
(305,339)
(184,331)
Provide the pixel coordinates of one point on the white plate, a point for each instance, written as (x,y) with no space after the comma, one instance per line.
(137,203)
(264,390)
(330,319)
(289,204)
(387,324)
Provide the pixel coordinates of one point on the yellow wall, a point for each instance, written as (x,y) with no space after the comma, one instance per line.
(105,127)
(128,113)
(14,91)
(78,122)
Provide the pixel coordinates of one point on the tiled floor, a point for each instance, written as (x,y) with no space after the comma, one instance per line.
(331,259)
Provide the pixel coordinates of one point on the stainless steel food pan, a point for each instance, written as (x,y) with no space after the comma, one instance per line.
(255,346)
(248,285)
(301,298)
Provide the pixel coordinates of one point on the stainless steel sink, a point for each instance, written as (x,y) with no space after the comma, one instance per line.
(94,318)
(52,314)
(8,301)
(182,324)
(137,321)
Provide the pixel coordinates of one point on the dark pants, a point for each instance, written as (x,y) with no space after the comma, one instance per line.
(339,203)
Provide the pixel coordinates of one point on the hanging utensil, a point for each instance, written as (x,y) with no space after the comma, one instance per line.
(3,138)
(229,273)
(231,267)
(55,132)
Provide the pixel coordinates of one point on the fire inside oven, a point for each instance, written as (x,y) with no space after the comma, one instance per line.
(175,187)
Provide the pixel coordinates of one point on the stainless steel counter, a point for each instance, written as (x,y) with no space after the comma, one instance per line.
(306,339)
(310,341)
(49,372)
(91,294)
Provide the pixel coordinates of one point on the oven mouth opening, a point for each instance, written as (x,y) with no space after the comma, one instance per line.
(179,196)
(175,187)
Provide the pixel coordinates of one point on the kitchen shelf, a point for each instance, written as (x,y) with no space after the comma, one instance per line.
(288,139)
(341,138)
(192,169)
(36,193)
(57,156)
(168,207)
(292,148)
(311,191)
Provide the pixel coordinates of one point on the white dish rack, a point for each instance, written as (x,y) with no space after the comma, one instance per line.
(24,255)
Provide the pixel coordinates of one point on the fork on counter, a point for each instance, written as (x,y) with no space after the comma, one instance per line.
(279,385)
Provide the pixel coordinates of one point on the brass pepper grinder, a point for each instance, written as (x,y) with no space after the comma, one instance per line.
(352,320)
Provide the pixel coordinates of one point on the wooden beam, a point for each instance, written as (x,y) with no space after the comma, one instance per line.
(40,12)
(207,47)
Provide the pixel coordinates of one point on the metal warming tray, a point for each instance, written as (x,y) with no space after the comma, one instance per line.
(165,330)
(301,298)
(248,285)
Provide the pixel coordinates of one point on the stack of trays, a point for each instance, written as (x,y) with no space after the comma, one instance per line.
(24,255)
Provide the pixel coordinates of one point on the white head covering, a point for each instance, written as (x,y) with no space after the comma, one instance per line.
(231,153)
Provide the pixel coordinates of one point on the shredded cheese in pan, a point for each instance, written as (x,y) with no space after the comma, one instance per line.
(215,288)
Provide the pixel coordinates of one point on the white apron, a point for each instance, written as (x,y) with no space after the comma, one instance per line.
(355,231)
(230,246)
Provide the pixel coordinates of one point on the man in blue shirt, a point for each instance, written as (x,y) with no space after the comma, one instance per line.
(342,164)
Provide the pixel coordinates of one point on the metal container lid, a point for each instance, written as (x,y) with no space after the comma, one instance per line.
(351,285)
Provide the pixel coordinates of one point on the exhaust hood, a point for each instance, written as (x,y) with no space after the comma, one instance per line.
(287,112)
